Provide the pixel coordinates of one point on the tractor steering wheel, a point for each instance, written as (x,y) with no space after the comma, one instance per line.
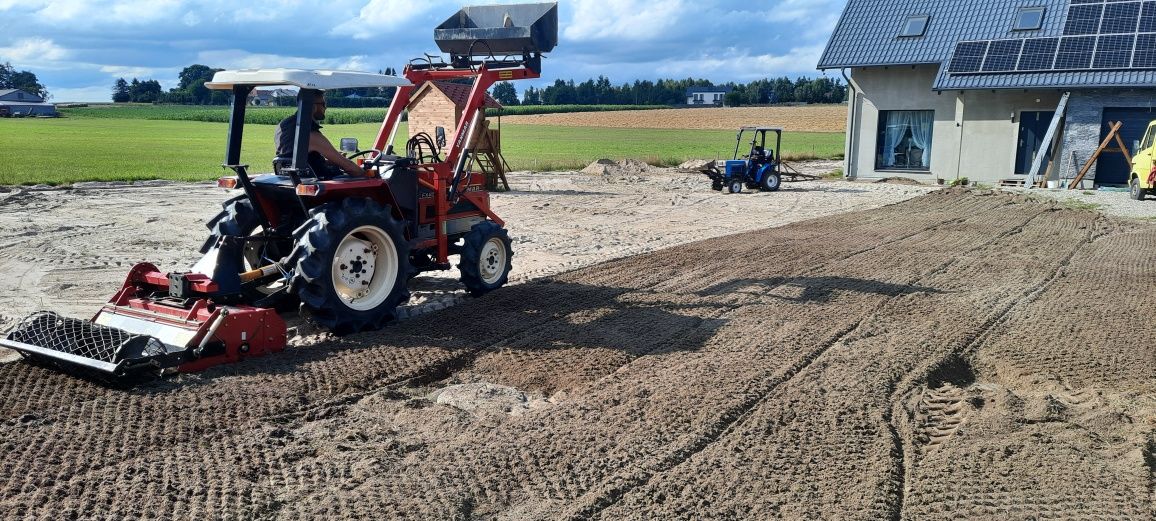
(368,164)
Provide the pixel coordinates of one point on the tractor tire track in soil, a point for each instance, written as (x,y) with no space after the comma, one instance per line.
(683,455)
(903,362)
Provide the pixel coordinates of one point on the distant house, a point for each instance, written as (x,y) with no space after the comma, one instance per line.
(19,103)
(440,104)
(269,97)
(706,95)
(970,88)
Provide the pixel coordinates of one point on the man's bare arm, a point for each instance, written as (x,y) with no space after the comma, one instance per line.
(320,144)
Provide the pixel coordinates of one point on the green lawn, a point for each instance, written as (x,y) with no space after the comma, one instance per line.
(68,150)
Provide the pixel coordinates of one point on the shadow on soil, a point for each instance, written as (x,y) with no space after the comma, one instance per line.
(812,289)
(538,315)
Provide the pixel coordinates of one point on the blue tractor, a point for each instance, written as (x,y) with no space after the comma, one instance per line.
(760,168)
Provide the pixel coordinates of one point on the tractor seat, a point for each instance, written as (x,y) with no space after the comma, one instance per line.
(281,162)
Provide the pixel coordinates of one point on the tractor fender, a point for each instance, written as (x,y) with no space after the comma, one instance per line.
(763,170)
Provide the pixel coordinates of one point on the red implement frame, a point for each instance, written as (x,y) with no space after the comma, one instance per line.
(439,176)
(244,331)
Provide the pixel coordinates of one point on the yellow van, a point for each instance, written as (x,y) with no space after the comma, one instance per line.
(1142,180)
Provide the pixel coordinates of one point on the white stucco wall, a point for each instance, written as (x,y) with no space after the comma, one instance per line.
(975,133)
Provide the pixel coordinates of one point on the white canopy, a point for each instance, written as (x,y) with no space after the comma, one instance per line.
(306,79)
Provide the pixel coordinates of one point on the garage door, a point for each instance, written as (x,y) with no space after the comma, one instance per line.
(1111,169)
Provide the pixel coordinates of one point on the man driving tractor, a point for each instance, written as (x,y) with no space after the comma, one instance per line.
(323,158)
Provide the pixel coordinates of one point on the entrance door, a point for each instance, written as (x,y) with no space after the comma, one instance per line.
(1111,168)
(1033,126)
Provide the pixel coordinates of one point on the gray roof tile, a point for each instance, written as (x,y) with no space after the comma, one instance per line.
(868,35)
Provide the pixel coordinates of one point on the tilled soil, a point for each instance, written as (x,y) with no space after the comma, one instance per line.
(962,354)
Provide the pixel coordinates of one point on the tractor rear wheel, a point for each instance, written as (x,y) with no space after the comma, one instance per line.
(485,258)
(771,182)
(239,219)
(351,265)
(735,186)
(1135,190)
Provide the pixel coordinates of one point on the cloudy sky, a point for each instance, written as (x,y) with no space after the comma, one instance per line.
(78,48)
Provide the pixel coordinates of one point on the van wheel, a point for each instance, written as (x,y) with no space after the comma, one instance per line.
(1135,190)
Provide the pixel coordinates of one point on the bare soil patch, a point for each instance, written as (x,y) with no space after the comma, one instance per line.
(961,354)
(802,118)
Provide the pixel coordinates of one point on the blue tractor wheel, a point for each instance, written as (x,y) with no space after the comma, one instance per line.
(771,181)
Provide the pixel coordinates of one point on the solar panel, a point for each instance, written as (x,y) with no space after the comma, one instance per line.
(1120,18)
(1083,19)
(1148,18)
(968,57)
(1113,51)
(1145,56)
(1075,53)
(1038,54)
(1002,55)
(1098,35)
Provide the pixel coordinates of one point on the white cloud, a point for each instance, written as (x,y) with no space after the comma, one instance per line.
(623,19)
(83,94)
(240,59)
(748,67)
(33,50)
(120,71)
(88,13)
(379,17)
(191,19)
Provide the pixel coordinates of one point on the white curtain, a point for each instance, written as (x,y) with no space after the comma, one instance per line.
(896,126)
(921,121)
(894,130)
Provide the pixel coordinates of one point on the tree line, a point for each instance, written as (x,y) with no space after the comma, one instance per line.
(673,92)
(10,78)
(191,90)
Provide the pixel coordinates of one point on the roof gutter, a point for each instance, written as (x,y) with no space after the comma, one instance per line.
(852,131)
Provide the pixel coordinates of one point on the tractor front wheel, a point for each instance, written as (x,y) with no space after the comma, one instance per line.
(1135,190)
(485,258)
(736,186)
(350,265)
(771,182)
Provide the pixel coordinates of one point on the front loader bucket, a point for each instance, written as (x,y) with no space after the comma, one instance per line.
(486,30)
(47,336)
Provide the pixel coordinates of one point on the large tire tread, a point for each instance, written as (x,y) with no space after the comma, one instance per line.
(311,260)
(470,259)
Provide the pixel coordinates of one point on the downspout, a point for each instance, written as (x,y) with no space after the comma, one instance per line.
(852,131)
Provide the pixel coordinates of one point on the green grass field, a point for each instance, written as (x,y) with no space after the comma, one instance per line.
(69,150)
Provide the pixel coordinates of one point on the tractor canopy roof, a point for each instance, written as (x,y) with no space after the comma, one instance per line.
(305,79)
(756,129)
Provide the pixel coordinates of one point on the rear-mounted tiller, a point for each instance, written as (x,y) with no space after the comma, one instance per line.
(145,327)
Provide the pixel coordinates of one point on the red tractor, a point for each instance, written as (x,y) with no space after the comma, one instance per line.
(341,247)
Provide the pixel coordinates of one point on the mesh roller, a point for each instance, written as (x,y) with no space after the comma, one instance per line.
(82,338)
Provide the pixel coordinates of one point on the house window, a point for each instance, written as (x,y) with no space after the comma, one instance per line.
(915,25)
(904,141)
(1029,19)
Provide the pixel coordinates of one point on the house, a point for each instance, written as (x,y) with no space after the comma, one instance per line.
(19,103)
(440,104)
(970,88)
(707,95)
(269,97)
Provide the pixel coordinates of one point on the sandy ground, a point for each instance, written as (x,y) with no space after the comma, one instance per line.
(876,354)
